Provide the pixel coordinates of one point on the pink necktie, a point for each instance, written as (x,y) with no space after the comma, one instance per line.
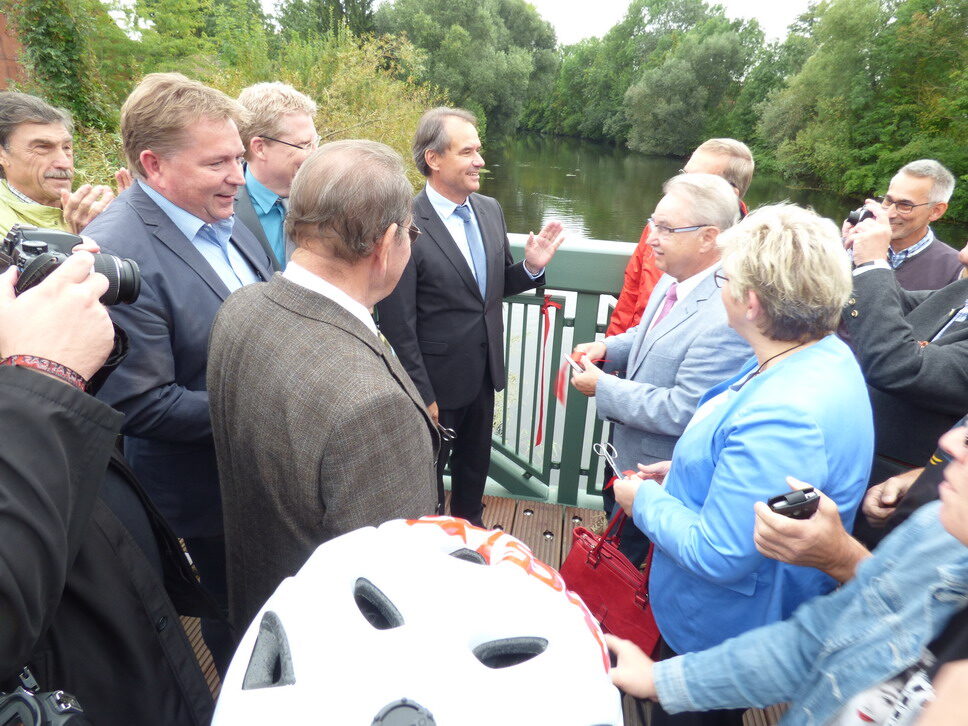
(670,300)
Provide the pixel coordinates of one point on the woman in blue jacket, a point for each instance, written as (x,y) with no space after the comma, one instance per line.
(799,406)
(864,654)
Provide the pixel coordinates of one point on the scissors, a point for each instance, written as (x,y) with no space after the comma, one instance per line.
(607,451)
(446,434)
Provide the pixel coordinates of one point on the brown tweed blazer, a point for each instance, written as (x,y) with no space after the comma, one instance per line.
(318,429)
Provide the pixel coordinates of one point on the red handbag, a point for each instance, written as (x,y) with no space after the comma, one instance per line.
(615,591)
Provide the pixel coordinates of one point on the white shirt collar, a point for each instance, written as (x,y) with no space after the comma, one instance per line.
(445,208)
(691,283)
(304,278)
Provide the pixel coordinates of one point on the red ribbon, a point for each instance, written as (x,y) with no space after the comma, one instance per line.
(546,328)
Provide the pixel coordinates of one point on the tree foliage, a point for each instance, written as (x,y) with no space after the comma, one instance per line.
(491,56)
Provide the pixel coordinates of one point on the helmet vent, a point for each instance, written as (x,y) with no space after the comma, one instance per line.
(469,555)
(270,664)
(375,606)
(509,652)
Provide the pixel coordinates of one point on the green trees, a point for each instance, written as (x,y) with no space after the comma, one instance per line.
(491,56)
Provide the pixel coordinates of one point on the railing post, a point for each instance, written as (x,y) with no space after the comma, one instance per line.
(576,408)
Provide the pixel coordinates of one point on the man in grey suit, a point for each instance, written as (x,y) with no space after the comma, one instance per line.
(278,134)
(183,146)
(319,429)
(683,344)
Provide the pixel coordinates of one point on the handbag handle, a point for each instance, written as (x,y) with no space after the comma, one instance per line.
(618,519)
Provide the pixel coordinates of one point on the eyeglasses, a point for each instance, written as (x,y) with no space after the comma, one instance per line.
(720,279)
(665,231)
(901,207)
(412,230)
(309,146)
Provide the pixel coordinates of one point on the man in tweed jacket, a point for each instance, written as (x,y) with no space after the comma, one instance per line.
(318,428)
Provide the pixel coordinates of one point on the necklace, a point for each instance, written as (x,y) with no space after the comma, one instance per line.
(773,357)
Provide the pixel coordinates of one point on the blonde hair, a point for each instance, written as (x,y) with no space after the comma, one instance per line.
(794,261)
(268,105)
(161,107)
(739,170)
(346,195)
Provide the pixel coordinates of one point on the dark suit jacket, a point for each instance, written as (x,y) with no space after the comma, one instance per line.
(917,391)
(446,334)
(80,602)
(160,387)
(319,431)
(246,214)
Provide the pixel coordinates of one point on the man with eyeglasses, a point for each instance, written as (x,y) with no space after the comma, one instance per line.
(917,196)
(683,345)
(278,135)
(913,349)
(319,429)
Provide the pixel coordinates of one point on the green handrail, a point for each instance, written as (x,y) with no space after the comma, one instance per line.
(582,273)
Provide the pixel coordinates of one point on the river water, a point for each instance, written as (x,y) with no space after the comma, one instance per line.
(600,191)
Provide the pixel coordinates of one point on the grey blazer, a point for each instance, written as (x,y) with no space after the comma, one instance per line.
(318,430)
(666,371)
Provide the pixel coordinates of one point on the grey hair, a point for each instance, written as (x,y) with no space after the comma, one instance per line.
(431,134)
(794,260)
(346,195)
(710,197)
(942,180)
(22,108)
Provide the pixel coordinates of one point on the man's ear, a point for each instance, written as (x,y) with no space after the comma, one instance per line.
(937,212)
(707,239)
(383,247)
(432,158)
(257,147)
(150,162)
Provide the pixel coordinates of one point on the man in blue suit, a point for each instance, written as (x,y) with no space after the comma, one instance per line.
(683,345)
(177,221)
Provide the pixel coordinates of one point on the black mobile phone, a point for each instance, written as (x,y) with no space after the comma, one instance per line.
(799,504)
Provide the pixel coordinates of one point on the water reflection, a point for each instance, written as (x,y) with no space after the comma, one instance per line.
(605,192)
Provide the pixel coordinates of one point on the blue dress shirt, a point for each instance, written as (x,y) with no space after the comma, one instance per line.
(271,213)
(212,240)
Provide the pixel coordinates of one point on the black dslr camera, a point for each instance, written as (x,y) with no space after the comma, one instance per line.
(26,708)
(38,252)
(854,218)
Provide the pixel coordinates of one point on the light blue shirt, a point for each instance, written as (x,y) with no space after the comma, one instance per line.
(271,215)
(455,225)
(896,259)
(214,241)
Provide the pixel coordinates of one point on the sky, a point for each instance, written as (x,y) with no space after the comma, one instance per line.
(577,19)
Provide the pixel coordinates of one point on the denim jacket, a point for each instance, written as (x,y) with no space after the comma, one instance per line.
(836,645)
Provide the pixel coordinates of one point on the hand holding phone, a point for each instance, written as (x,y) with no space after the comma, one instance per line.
(799,504)
(573,363)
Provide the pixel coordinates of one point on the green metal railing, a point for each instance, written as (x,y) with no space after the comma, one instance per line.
(582,279)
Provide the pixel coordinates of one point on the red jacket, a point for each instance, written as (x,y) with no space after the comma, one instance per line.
(641,274)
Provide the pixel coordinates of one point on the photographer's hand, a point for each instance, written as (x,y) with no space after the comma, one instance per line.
(59,319)
(871,238)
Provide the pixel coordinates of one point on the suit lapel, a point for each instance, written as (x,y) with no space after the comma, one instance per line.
(165,231)
(651,308)
(676,317)
(254,255)
(245,213)
(431,225)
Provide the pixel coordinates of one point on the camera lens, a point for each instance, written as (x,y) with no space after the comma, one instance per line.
(124,278)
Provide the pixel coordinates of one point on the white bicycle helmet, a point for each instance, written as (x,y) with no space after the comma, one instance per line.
(431,622)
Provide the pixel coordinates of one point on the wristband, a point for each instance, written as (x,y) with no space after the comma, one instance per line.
(68,375)
(862,264)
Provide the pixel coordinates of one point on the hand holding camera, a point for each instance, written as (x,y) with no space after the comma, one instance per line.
(870,237)
(60,319)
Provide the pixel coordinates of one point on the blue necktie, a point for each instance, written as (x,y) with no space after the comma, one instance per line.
(475,245)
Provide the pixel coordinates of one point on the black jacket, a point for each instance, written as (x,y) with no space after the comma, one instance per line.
(445,332)
(82,598)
